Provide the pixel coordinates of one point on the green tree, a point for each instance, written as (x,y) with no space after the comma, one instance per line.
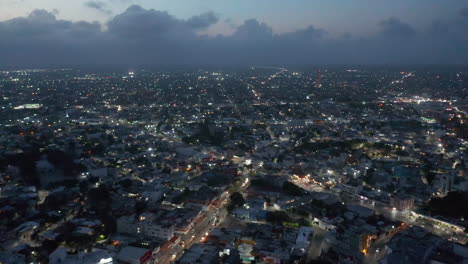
(278,217)
(292,189)
(237,199)
(140,207)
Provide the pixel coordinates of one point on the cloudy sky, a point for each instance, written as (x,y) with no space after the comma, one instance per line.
(58,32)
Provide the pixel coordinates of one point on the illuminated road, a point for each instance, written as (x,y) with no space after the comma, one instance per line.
(215,216)
(195,235)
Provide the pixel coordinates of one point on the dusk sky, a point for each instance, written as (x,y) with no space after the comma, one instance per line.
(336,16)
(270,31)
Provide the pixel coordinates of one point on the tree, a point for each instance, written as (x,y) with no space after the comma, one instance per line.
(368,176)
(454,205)
(100,193)
(237,199)
(100,199)
(292,189)
(49,245)
(278,217)
(27,165)
(182,196)
(127,183)
(140,207)
(62,160)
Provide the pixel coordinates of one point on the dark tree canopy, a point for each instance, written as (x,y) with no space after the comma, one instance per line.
(292,189)
(454,205)
(237,199)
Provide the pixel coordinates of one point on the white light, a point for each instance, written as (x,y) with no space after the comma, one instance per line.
(105,261)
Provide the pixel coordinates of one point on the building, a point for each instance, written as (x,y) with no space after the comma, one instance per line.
(402,203)
(444,183)
(160,230)
(96,256)
(147,225)
(350,191)
(127,225)
(304,236)
(200,253)
(406,171)
(132,255)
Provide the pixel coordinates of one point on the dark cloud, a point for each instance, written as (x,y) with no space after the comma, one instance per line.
(464,12)
(99,6)
(148,36)
(140,23)
(395,28)
(203,21)
(252,30)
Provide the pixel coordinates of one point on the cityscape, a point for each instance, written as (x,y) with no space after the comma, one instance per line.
(349,166)
(255,159)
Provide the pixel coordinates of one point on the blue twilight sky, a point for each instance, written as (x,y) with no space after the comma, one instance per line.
(358,17)
(227,32)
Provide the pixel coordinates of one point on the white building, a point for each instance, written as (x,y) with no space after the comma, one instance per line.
(163,230)
(96,256)
(146,225)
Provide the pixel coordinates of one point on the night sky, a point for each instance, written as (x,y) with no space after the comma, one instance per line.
(219,32)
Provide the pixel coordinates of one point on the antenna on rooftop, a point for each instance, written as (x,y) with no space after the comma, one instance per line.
(318,83)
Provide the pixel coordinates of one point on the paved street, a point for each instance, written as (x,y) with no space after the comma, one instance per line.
(195,235)
(215,216)
(317,244)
